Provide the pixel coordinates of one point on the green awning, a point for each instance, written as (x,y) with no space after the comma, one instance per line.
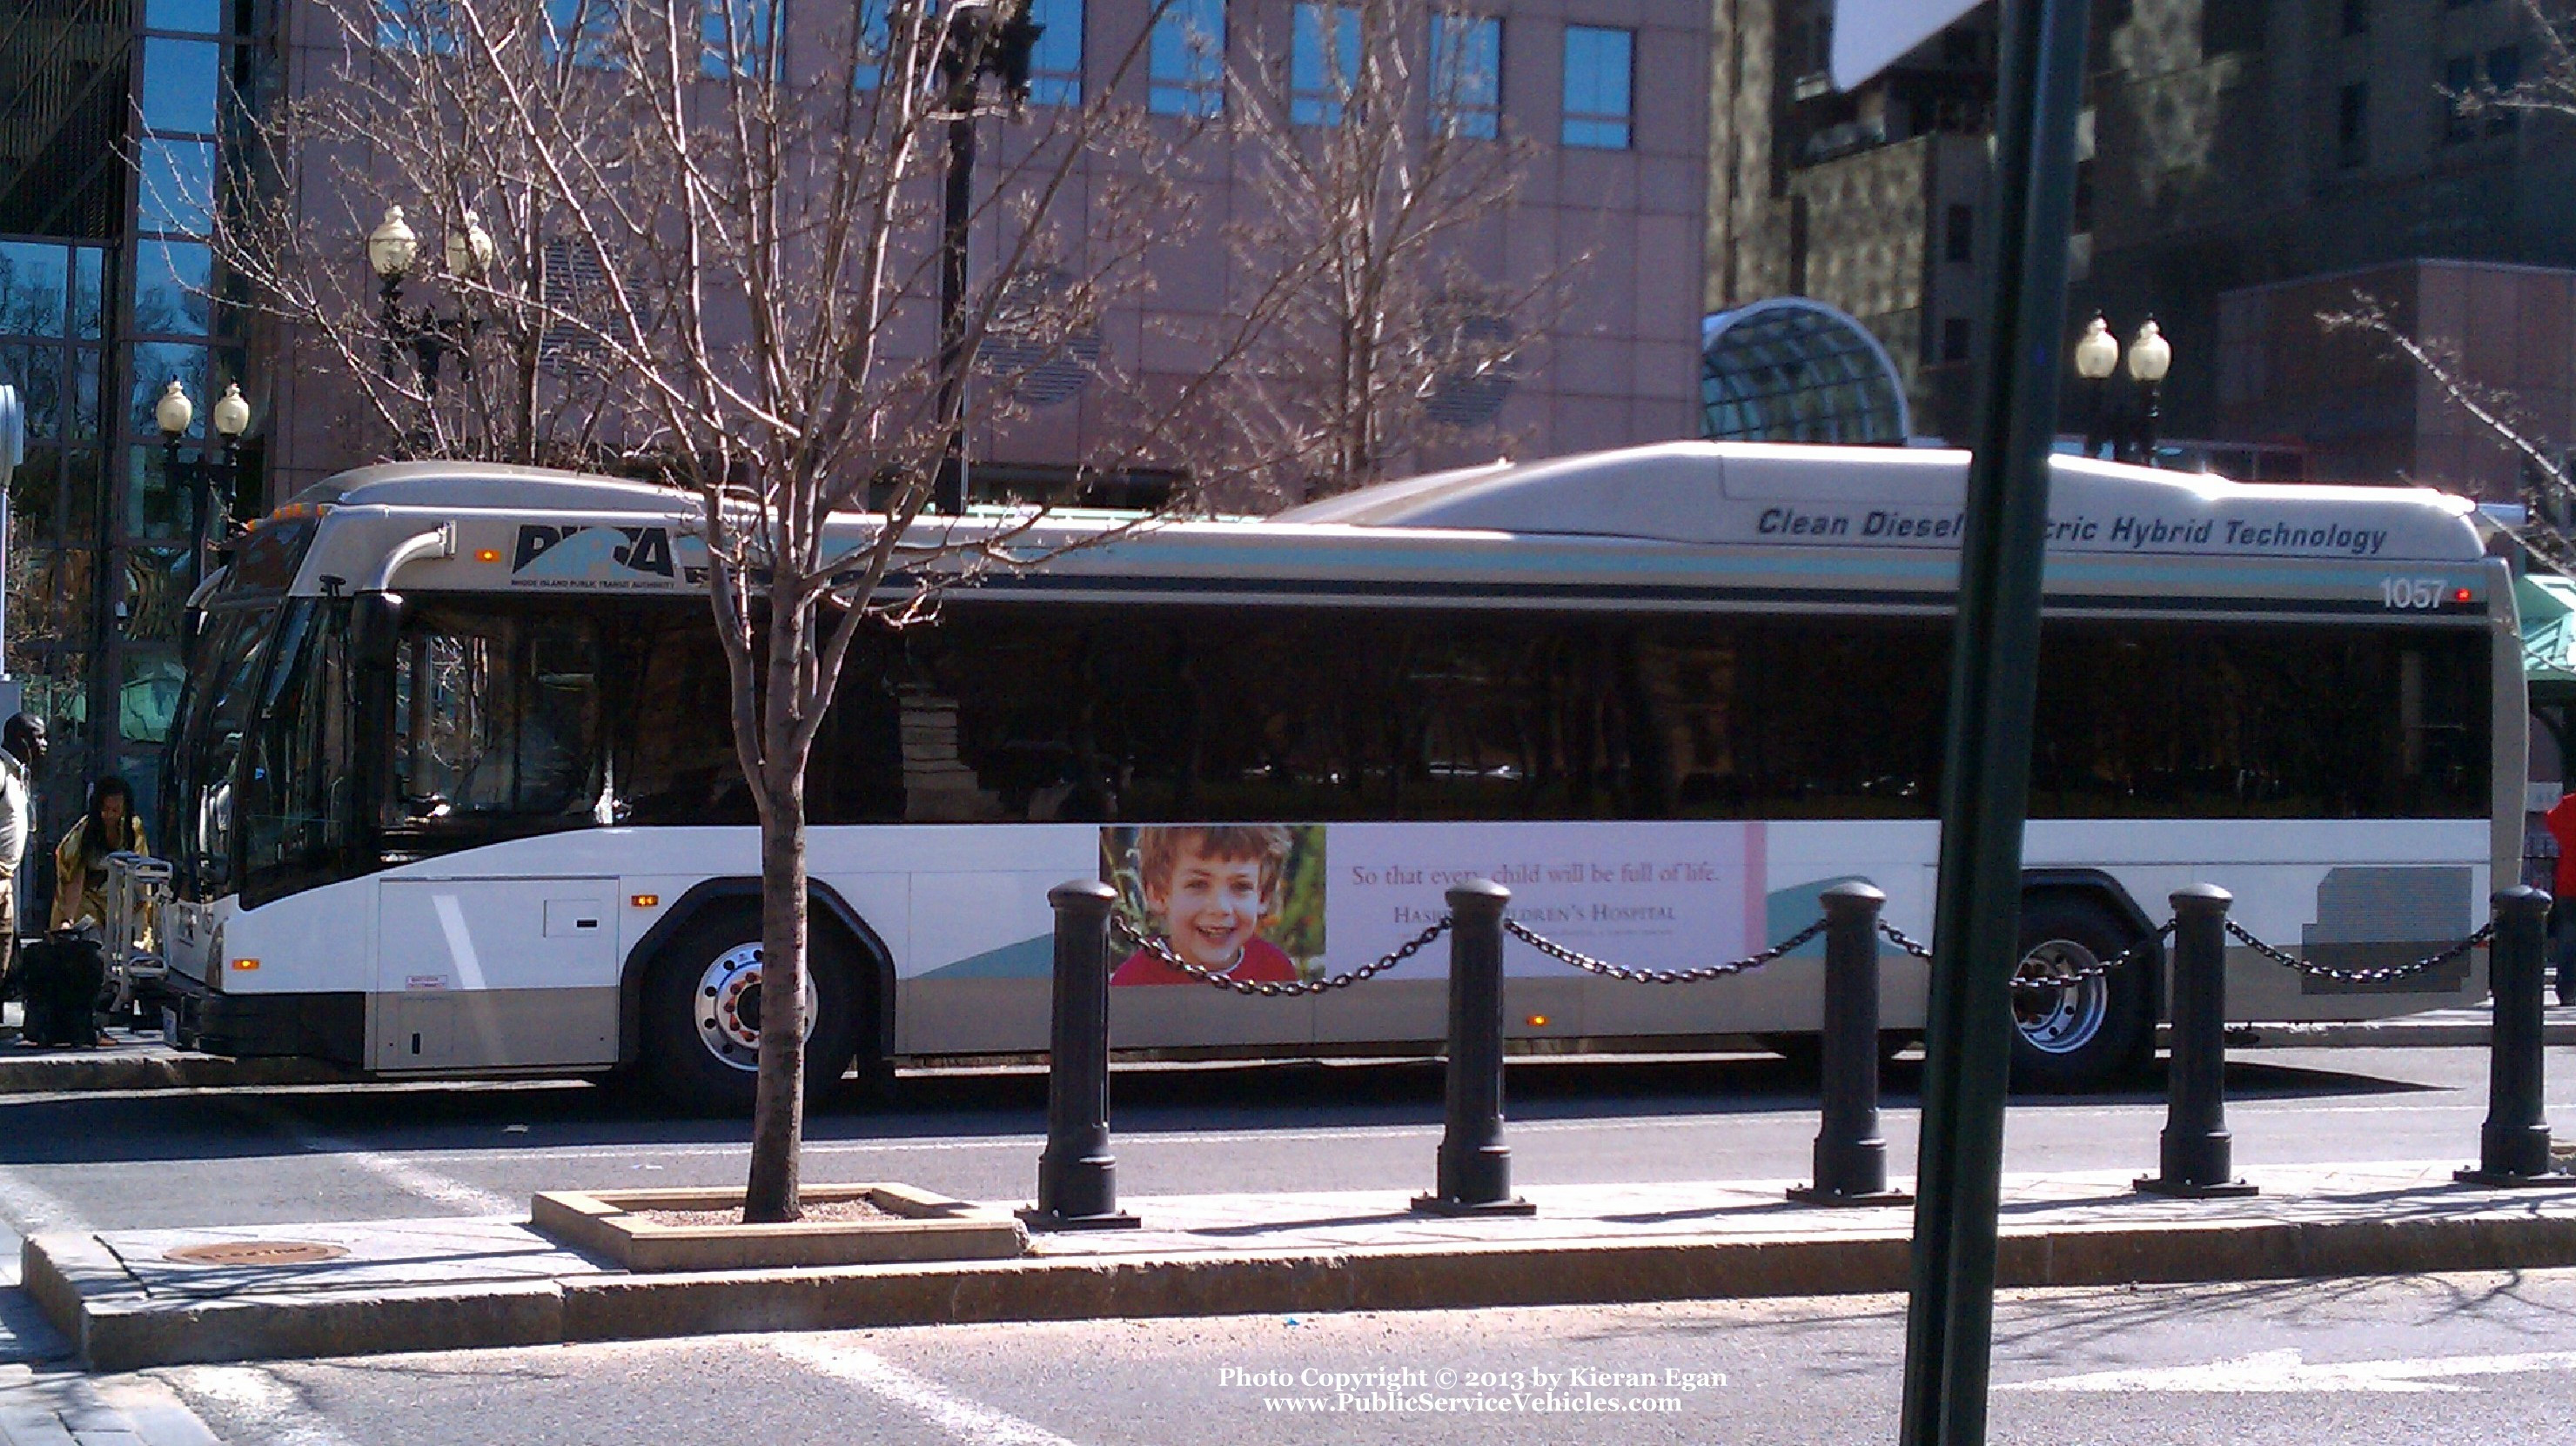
(2548,606)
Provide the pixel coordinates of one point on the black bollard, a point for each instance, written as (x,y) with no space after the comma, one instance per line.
(2195,1146)
(1077,1176)
(1475,1164)
(2513,1147)
(1851,1153)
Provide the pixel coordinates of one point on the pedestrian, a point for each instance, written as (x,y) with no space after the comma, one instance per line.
(80,860)
(22,747)
(2561,820)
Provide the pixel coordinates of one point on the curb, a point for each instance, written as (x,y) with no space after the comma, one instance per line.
(71,1073)
(74,1279)
(2384,1034)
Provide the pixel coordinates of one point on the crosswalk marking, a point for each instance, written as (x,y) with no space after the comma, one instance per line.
(2283,1372)
(267,1410)
(966,1420)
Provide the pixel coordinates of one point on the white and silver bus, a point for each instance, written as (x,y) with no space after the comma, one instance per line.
(451,791)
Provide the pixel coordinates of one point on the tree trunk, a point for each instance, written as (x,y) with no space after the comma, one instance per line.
(778,1112)
(778,1117)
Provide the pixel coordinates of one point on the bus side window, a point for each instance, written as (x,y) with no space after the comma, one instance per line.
(675,760)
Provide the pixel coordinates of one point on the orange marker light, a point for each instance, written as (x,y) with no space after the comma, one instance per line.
(1538,1021)
(645,901)
(2461,596)
(245,965)
(487,554)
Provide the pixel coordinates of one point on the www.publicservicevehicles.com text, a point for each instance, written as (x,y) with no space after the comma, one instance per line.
(1414,1390)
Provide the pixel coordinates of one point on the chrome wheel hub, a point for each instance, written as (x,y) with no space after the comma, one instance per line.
(2064,1019)
(728,1007)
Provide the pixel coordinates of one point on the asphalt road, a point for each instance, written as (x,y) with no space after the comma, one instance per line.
(2467,1358)
(2476,1358)
(186,1158)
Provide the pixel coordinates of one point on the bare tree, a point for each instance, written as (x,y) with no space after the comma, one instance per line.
(717,251)
(2493,409)
(1376,130)
(475,366)
(2548,88)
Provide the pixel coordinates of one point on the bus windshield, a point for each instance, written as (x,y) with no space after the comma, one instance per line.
(496,714)
(205,740)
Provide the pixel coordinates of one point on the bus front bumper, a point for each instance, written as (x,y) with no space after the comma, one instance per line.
(330,1027)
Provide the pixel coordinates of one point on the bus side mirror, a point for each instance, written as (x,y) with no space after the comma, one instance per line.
(375,629)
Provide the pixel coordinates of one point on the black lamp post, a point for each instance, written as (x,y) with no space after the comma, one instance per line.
(392,249)
(2150,357)
(2128,428)
(983,37)
(210,479)
(2097,355)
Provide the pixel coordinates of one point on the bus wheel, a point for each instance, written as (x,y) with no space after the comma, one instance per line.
(702,1014)
(2077,1036)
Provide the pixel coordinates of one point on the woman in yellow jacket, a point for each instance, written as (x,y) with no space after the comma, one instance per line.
(80,860)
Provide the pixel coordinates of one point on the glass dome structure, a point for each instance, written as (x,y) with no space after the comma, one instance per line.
(1794,370)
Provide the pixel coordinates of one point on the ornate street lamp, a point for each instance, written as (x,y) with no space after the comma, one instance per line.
(210,480)
(470,249)
(391,248)
(2150,357)
(2097,355)
(982,37)
(2127,426)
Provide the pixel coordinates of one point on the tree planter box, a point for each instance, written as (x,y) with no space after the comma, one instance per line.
(925,1227)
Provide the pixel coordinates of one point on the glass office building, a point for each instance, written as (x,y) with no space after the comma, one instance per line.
(112,115)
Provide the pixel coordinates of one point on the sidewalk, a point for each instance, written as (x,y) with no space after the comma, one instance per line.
(134,1059)
(465,1283)
(2440,1028)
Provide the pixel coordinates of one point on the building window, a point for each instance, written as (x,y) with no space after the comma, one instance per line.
(2356,17)
(1467,75)
(201,17)
(1959,234)
(2504,73)
(2230,27)
(1186,69)
(876,38)
(2352,126)
(1323,64)
(1600,76)
(419,25)
(1956,333)
(1055,66)
(2459,87)
(732,35)
(585,28)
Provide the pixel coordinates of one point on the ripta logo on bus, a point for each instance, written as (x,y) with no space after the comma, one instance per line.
(606,557)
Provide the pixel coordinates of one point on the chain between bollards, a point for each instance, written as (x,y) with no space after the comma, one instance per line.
(2194,1153)
(1077,1176)
(1851,1153)
(1475,1166)
(2513,1145)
